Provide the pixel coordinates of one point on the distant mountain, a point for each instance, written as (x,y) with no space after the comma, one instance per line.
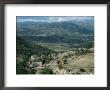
(71,32)
(79,26)
(51,19)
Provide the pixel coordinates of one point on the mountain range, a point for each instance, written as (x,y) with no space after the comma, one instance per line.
(70,32)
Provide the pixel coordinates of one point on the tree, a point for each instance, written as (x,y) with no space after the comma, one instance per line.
(46,70)
(21,67)
(88,45)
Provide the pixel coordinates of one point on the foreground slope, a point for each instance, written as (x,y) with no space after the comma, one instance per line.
(24,50)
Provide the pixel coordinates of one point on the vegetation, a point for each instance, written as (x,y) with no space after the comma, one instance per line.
(21,67)
(46,70)
(59,47)
(89,45)
(25,50)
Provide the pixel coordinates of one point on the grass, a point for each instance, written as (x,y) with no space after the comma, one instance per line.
(85,65)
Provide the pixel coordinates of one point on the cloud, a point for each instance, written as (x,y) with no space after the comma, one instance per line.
(53,18)
(69,18)
(33,20)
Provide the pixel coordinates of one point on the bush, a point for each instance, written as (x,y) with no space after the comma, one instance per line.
(65,61)
(58,62)
(82,70)
(46,70)
(60,66)
(31,71)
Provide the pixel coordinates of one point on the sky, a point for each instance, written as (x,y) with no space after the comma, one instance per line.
(52,18)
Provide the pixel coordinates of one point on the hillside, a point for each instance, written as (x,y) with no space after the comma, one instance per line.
(72,64)
(76,33)
(24,50)
(55,45)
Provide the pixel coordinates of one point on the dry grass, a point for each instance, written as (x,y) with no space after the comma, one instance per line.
(79,65)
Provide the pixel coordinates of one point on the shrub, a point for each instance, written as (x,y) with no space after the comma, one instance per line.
(65,61)
(60,66)
(46,70)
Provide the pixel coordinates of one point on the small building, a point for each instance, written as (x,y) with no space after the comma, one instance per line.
(36,64)
(35,61)
(39,63)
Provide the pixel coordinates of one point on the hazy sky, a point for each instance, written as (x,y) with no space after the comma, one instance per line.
(52,18)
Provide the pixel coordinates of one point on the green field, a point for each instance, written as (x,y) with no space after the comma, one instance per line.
(55,46)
